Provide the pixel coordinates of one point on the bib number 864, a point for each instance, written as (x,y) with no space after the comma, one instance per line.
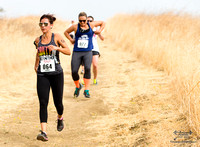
(48,66)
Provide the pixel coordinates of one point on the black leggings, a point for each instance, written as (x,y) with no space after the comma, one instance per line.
(77,59)
(44,82)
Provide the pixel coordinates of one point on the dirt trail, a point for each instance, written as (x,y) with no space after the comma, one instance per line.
(131,106)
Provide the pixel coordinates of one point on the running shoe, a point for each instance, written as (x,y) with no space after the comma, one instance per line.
(95,82)
(42,136)
(60,124)
(82,71)
(77,91)
(86,94)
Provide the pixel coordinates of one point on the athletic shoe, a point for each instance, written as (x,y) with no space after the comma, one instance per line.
(86,94)
(42,136)
(95,81)
(60,124)
(77,91)
(82,71)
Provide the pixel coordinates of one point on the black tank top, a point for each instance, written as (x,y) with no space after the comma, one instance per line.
(49,60)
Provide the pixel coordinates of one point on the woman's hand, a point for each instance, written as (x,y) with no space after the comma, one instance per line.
(72,41)
(52,47)
(35,68)
(97,32)
(37,60)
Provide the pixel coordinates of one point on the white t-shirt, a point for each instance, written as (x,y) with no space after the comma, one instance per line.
(94,40)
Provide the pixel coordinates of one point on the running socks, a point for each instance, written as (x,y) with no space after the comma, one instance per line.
(77,90)
(82,82)
(77,83)
(60,118)
(87,83)
(95,81)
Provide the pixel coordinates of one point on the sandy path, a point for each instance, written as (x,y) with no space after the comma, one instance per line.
(132,106)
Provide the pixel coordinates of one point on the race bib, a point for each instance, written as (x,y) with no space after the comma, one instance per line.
(82,43)
(47,65)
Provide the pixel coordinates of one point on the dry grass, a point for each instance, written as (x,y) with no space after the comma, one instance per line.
(16,43)
(170,43)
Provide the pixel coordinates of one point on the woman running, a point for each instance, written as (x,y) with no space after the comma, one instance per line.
(49,72)
(82,51)
(95,50)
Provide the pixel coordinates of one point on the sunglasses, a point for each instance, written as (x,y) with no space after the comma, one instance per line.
(89,21)
(82,20)
(45,24)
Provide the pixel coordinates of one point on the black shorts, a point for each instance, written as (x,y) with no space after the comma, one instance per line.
(95,53)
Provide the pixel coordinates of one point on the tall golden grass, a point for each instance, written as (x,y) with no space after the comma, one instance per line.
(16,43)
(170,43)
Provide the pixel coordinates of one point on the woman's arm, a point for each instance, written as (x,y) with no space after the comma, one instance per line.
(36,62)
(37,58)
(36,42)
(96,24)
(101,37)
(60,42)
(69,30)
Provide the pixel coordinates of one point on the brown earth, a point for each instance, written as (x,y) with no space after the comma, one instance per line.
(133,105)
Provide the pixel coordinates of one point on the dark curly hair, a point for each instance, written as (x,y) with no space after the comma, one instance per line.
(50,17)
